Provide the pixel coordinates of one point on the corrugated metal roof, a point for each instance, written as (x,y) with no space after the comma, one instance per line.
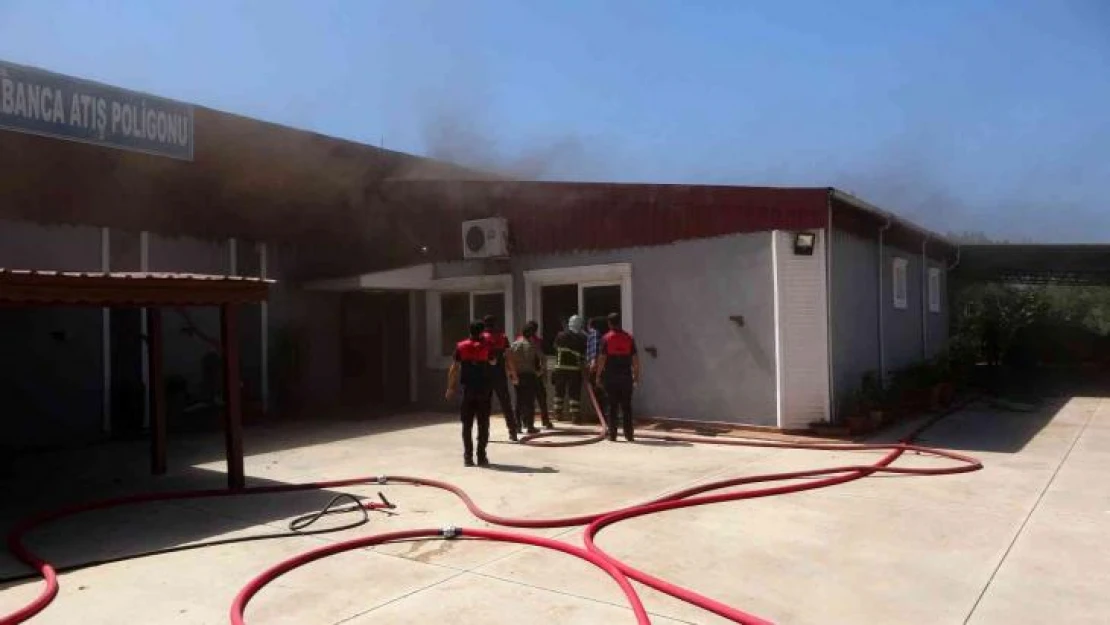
(128,275)
(127,289)
(557,217)
(1080,264)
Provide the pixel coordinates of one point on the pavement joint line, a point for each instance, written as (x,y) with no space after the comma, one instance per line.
(1032,510)
(321,538)
(402,597)
(577,596)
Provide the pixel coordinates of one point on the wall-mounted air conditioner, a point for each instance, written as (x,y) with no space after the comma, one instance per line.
(486,238)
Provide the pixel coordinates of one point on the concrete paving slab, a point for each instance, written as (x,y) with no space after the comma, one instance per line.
(471,598)
(198,588)
(879,550)
(780,558)
(1058,572)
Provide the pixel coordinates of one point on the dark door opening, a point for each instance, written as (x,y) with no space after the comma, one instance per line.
(599,301)
(557,304)
(375,350)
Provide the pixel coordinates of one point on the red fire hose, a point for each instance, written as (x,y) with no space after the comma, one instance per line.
(617,570)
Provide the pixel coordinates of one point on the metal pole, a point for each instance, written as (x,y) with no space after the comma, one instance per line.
(924,302)
(106,335)
(144,266)
(882,304)
(264,328)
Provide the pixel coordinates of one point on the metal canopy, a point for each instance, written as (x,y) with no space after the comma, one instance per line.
(1080,265)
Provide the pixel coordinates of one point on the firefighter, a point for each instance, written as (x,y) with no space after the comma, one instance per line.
(541,387)
(528,362)
(472,368)
(570,360)
(618,369)
(501,373)
(599,326)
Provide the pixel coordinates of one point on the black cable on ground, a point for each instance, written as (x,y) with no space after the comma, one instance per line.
(297,527)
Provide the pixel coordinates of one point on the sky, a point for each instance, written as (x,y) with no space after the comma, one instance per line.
(963,115)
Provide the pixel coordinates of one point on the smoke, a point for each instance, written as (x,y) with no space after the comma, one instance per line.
(466,138)
(1045,197)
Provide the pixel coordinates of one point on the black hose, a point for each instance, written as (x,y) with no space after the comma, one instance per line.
(296,528)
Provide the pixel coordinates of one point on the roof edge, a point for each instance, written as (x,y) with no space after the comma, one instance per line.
(867,207)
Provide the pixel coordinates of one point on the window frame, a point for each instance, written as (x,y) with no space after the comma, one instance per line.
(900,267)
(471,285)
(583,276)
(933,287)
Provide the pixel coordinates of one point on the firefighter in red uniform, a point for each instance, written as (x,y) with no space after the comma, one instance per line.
(472,367)
(501,373)
(618,369)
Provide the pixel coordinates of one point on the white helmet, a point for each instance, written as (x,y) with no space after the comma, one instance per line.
(575,323)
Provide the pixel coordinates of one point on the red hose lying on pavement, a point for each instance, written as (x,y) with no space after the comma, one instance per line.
(616,569)
(603,563)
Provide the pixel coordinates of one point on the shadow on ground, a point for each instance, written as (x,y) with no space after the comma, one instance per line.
(36,482)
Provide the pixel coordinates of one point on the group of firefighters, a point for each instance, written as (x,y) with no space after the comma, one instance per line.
(487,362)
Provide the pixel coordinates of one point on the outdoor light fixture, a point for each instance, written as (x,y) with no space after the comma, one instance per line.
(803,243)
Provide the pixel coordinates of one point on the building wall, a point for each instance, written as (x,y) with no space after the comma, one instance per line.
(708,367)
(937,338)
(51,371)
(53,358)
(855,294)
(803,339)
(855,319)
(305,334)
(902,327)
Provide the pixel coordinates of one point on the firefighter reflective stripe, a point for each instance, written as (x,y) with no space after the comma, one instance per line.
(574,406)
(568,359)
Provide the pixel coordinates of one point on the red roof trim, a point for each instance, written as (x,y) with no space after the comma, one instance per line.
(560,217)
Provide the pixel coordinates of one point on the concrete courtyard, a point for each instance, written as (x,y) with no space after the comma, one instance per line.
(1022,541)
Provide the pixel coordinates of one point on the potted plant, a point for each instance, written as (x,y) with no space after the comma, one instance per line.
(872,400)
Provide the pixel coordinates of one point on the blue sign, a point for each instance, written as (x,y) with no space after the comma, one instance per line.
(43,103)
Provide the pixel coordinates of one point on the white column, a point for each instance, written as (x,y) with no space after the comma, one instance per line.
(264,328)
(778,333)
(106,335)
(232,257)
(414,350)
(144,265)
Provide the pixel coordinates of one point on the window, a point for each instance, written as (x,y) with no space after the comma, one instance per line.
(900,287)
(450,304)
(934,290)
(457,310)
(553,295)
(599,301)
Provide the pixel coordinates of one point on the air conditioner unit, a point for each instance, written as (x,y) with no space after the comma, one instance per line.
(486,238)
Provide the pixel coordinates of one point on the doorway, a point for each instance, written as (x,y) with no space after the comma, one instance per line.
(374,359)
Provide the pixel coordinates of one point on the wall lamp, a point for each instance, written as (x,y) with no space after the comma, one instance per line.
(803,243)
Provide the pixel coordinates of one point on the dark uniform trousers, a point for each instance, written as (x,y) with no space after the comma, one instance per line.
(618,391)
(568,388)
(528,385)
(499,386)
(541,398)
(475,407)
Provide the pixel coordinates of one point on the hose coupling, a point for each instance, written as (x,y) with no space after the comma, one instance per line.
(450,531)
(382,479)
